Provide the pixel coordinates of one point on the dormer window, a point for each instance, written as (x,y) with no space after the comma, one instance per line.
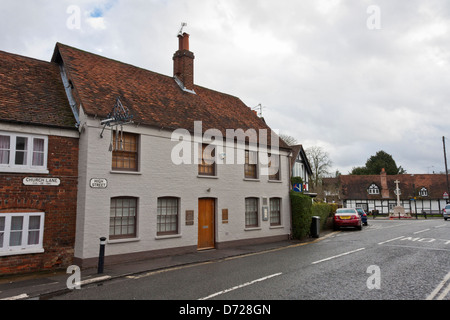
(423,192)
(373,189)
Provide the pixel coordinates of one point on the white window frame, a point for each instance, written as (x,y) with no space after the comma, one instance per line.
(298,170)
(423,192)
(270,211)
(373,189)
(27,168)
(24,248)
(257,226)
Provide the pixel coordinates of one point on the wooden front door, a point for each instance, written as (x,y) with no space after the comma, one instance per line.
(206,210)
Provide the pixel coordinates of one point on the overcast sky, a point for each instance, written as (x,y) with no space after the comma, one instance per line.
(353,77)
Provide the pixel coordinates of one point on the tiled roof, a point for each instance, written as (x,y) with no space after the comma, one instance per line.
(32,92)
(355,186)
(153,99)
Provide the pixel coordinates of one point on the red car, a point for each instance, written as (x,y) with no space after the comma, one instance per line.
(347,217)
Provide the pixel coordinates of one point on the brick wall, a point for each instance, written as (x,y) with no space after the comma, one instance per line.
(58,203)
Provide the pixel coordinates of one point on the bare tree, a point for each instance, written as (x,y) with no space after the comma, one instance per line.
(290,140)
(320,164)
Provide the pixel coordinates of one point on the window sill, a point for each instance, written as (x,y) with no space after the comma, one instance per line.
(274,181)
(24,170)
(276,227)
(21,252)
(252,229)
(126,172)
(252,179)
(207,177)
(169,236)
(124,240)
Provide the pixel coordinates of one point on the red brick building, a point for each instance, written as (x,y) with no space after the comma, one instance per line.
(38,167)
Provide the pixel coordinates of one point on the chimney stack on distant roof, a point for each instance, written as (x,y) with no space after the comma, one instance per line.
(384,185)
(183,63)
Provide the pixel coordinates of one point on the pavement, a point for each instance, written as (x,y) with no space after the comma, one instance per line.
(43,286)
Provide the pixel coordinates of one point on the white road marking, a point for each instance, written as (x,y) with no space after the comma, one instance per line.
(390,240)
(444,293)
(421,231)
(417,247)
(240,286)
(21,296)
(439,287)
(337,256)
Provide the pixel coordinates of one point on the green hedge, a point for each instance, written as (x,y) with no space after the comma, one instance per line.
(323,211)
(302,212)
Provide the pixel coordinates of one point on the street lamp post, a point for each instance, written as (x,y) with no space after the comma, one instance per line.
(446,170)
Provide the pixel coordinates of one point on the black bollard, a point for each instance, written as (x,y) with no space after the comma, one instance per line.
(101,256)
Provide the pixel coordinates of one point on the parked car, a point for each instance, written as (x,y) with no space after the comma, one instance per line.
(446,212)
(363,215)
(347,217)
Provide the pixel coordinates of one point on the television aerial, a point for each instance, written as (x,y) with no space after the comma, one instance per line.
(183,24)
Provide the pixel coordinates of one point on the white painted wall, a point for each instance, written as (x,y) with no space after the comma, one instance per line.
(159,177)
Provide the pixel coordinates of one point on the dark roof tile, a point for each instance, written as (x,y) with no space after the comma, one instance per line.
(152,98)
(32,92)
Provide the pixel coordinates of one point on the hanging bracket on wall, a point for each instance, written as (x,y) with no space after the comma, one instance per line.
(119,116)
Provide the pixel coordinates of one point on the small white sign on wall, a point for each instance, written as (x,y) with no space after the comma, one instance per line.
(36,181)
(97,183)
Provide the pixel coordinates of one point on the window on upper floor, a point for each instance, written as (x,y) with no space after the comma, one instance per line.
(125,153)
(251,164)
(274,167)
(23,152)
(297,170)
(206,160)
(373,189)
(423,192)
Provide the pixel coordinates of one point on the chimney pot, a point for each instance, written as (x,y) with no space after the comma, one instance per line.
(183,41)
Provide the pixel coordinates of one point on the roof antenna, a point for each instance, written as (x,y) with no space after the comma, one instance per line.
(259,108)
(183,24)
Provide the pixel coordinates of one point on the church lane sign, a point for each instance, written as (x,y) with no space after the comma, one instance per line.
(36,181)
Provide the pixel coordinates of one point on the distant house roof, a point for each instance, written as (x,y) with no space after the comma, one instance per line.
(32,92)
(153,99)
(356,186)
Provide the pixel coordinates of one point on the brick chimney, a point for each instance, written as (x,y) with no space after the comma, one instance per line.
(183,64)
(384,185)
